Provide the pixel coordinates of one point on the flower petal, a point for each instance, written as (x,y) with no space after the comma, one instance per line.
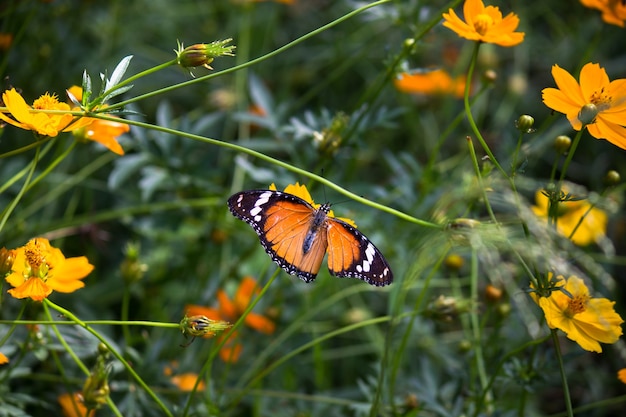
(260,323)
(33,288)
(612,132)
(593,79)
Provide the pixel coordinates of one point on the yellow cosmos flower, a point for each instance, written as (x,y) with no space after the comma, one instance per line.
(608,97)
(3,359)
(613,11)
(585,320)
(302,192)
(621,375)
(591,229)
(104,132)
(230,311)
(42,123)
(72,405)
(484,24)
(430,83)
(39,269)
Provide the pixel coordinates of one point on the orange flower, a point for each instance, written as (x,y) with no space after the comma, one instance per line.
(3,359)
(231,310)
(613,11)
(72,405)
(6,39)
(43,123)
(432,82)
(595,91)
(186,382)
(621,375)
(484,24)
(105,132)
(39,269)
(585,320)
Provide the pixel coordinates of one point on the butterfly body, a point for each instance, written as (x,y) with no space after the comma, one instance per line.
(296,236)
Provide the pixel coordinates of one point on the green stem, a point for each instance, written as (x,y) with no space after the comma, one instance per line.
(468,112)
(115,353)
(477,337)
(93,322)
(254,61)
(282,164)
(73,355)
(7,212)
(216,347)
(559,355)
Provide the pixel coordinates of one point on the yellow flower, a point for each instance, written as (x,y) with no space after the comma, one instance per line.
(3,359)
(302,192)
(39,269)
(186,382)
(584,320)
(432,82)
(42,123)
(484,24)
(72,405)
(608,97)
(230,310)
(590,230)
(613,11)
(104,132)
(621,375)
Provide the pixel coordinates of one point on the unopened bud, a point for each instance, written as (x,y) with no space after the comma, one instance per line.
(588,113)
(612,177)
(201,54)
(525,124)
(562,144)
(7,257)
(197,326)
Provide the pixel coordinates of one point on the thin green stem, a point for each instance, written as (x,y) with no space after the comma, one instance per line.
(115,353)
(206,368)
(477,337)
(7,212)
(142,323)
(253,61)
(73,355)
(285,165)
(570,155)
(468,112)
(559,355)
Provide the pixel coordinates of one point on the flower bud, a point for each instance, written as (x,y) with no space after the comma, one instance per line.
(7,257)
(454,262)
(612,177)
(447,308)
(201,54)
(588,113)
(196,326)
(131,269)
(96,388)
(525,124)
(493,293)
(490,76)
(562,144)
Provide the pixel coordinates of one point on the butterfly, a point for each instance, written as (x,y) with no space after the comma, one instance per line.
(296,236)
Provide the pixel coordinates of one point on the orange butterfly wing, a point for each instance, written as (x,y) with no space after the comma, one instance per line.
(296,235)
(352,254)
(282,222)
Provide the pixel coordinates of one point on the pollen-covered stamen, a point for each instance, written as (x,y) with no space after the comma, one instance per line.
(576,304)
(482,23)
(46,102)
(601,99)
(36,259)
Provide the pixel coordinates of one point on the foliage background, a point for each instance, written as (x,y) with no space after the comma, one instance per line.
(407,152)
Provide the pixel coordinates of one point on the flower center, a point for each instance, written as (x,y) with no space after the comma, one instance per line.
(36,259)
(577,304)
(46,102)
(601,99)
(482,23)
